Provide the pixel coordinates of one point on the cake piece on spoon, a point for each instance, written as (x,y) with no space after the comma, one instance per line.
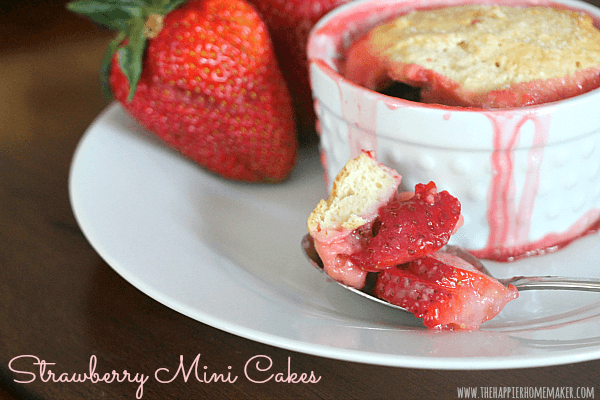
(366,225)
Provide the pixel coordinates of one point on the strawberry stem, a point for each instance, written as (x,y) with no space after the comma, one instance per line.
(153,25)
(136,21)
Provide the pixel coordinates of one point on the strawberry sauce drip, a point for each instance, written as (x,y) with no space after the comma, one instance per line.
(548,244)
(509,221)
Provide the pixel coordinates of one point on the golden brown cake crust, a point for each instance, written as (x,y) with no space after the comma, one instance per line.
(486,48)
(358,191)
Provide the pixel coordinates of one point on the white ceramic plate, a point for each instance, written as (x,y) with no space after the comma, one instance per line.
(228,254)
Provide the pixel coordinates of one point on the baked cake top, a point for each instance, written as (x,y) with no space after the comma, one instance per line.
(491,47)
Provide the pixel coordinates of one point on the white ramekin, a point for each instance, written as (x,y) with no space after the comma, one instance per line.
(528,178)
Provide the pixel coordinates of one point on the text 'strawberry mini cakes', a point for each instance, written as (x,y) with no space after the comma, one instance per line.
(482,55)
(367,226)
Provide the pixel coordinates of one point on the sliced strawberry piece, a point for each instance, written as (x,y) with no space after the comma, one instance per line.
(444,290)
(410,228)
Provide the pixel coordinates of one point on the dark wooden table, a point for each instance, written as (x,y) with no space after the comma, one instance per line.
(60,302)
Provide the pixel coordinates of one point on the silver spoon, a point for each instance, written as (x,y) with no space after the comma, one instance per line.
(520,282)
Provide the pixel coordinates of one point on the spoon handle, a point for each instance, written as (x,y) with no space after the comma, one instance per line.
(553,283)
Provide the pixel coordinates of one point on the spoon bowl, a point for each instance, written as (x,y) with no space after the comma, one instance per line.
(520,282)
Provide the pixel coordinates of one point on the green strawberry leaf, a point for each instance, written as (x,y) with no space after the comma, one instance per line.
(131,55)
(112,14)
(169,5)
(128,18)
(106,63)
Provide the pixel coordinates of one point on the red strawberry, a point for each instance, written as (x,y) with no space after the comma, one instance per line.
(202,75)
(290,22)
(410,228)
(444,290)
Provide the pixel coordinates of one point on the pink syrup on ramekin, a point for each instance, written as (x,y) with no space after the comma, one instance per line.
(507,218)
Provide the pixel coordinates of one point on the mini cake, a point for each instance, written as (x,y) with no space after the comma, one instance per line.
(367,226)
(482,55)
(338,224)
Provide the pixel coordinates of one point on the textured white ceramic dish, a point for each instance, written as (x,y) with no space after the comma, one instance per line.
(228,254)
(526,177)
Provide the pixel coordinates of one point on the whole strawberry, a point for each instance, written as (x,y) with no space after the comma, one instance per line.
(290,22)
(201,75)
